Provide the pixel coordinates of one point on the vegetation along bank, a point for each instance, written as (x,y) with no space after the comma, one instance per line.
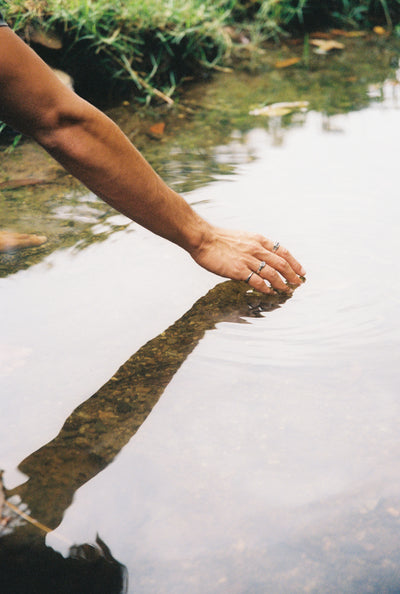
(147,48)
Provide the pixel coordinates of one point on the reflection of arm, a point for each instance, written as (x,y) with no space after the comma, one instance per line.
(98,429)
(89,145)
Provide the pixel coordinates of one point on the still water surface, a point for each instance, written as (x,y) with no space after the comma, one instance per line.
(271,462)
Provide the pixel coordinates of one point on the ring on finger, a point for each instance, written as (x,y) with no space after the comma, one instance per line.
(262,264)
(276,246)
(249,277)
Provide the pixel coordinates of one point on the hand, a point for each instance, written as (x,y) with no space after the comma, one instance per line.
(237,255)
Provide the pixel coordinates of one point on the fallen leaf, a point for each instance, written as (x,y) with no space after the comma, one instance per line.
(379,30)
(21,183)
(287,62)
(326,45)
(157,130)
(279,109)
(65,78)
(271,111)
(320,35)
(10,241)
(348,33)
(42,37)
(295,41)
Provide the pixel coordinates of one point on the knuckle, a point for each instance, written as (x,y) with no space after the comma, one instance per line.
(273,276)
(259,238)
(285,267)
(255,246)
(285,253)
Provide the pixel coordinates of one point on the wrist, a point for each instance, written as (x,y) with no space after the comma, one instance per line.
(199,235)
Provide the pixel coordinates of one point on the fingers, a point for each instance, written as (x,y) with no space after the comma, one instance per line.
(263,264)
(271,275)
(277,267)
(259,284)
(285,255)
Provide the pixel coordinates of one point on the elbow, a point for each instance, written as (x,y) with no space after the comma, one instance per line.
(60,124)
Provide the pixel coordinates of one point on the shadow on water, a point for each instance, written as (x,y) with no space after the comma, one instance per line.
(89,441)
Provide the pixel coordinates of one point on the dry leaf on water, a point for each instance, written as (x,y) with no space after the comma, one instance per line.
(320,35)
(157,130)
(344,33)
(326,45)
(279,109)
(287,62)
(10,241)
(21,183)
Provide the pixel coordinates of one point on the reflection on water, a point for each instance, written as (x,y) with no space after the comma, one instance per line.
(271,462)
(96,432)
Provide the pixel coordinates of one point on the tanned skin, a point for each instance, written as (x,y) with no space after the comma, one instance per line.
(92,148)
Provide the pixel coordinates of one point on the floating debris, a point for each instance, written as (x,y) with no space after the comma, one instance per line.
(279,109)
(156,131)
(288,62)
(11,241)
(326,45)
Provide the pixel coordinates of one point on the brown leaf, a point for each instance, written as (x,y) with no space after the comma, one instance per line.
(157,130)
(287,62)
(326,45)
(380,30)
(20,183)
(320,35)
(344,33)
(10,241)
(42,37)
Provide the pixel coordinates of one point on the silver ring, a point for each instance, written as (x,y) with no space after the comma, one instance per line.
(276,246)
(249,277)
(261,266)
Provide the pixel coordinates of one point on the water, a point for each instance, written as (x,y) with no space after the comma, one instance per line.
(252,457)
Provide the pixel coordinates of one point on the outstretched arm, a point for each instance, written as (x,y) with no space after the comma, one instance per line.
(91,147)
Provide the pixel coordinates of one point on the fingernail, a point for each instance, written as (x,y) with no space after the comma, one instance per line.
(302,271)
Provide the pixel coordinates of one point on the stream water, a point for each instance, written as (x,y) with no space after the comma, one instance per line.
(239,451)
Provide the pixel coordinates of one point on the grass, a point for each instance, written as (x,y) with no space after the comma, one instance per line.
(154,44)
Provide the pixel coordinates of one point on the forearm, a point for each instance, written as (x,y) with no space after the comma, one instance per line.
(95,150)
(89,145)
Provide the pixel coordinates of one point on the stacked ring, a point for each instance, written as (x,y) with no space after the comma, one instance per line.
(276,246)
(261,266)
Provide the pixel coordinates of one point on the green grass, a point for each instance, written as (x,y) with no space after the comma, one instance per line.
(154,44)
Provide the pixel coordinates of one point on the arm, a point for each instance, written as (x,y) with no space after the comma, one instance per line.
(91,147)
